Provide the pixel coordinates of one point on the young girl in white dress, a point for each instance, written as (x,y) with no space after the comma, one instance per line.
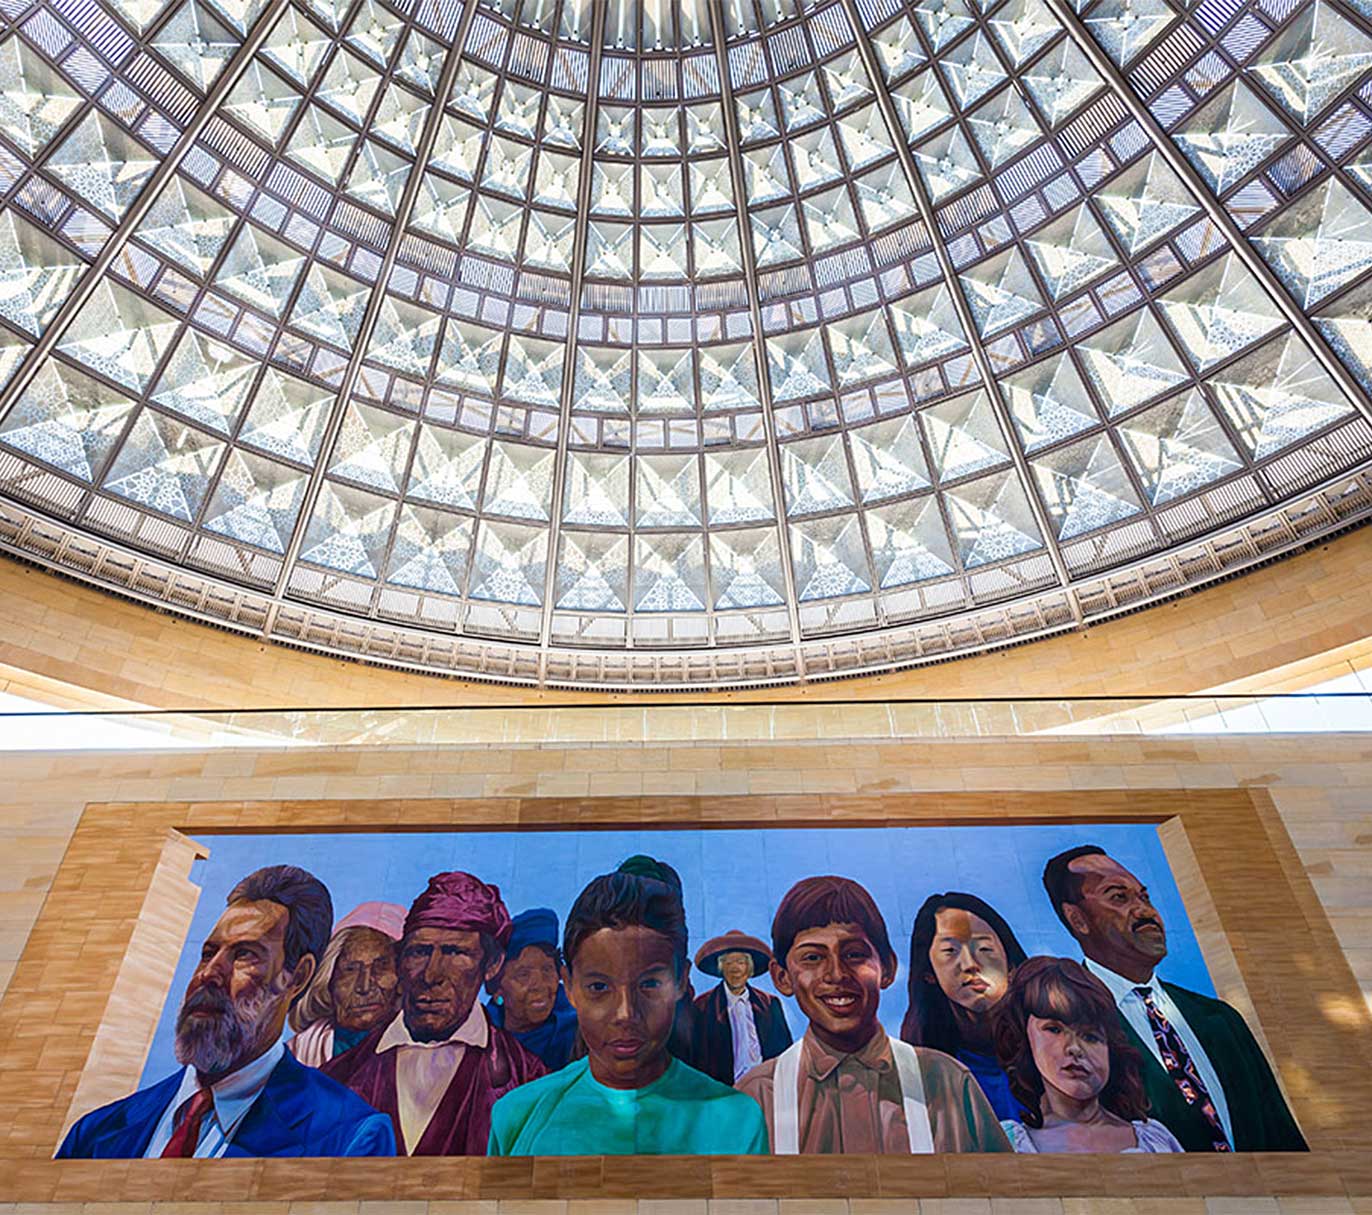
(1077,1079)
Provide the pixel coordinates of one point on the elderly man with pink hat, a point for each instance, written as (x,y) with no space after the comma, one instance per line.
(438,1065)
(738,1026)
(354,989)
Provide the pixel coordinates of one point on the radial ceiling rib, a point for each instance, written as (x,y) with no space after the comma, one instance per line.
(1214,208)
(749,258)
(423,149)
(964,312)
(568,387)
(166,169)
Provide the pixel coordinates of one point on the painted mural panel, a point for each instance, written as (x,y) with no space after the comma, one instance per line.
(717,992)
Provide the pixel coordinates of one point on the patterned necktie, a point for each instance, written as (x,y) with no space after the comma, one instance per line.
(1182,1068)
(186,1137)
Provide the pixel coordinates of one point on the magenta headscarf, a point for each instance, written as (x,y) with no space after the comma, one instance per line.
(461,903)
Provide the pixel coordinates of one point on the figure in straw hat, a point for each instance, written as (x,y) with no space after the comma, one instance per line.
(738,1026)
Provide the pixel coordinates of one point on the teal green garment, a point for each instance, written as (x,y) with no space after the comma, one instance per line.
(682,1113)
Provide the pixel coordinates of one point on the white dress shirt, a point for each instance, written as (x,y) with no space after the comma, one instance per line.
(423,1070)
(1132,1009)
(233,1098)
(743,1031)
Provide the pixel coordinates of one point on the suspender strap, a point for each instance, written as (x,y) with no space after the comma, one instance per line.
(786,1100)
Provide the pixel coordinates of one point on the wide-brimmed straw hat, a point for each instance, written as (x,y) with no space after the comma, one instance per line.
(733,941)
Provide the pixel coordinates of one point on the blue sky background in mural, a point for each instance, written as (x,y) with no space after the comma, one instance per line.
(732,879)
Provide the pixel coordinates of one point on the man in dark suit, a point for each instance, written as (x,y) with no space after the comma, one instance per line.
(737,1026)
(1207,1079)
(240,1093)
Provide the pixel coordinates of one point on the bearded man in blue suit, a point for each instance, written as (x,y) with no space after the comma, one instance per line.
(240,1092)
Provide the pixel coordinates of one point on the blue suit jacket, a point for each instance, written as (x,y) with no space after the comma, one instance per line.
(300,1112)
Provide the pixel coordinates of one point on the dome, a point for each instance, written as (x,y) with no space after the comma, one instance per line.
(672,343)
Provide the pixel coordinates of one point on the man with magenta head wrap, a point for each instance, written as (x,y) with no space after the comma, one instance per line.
(438,1066)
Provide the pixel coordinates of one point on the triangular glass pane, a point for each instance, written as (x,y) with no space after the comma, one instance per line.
(668,491)
(511,563)
(164,465)
(347,530)
(430,551)
(745,569)
(669,573)
(1130,362)
(120,335)
(927,326)
(66,419)
(909,543)
(1070,252)
(1178,447)
(596,490)
(593,572)
(35,101)
(288,417)
(520,481)
(1085,487)
(1319,243)
(372,447)
(1145,202)
(1278,395)
(259,270)
(738,486)
(256,501)
(1313,60)
(1048,403)
(815,475)
(103,164)
(1219,311)
(889,458)
(1230,136)
(964,436)
(992,520)
(828,558)
(447,467)
(206,381)
(1000,292)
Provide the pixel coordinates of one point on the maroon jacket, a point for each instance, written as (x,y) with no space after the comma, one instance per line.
(714,1042)
(461,1126)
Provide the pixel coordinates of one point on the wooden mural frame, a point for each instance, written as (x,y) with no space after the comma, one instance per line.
(75,1028)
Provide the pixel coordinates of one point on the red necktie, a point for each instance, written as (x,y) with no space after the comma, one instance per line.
(186,1137)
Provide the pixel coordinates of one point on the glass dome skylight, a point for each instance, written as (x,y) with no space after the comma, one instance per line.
(679,342)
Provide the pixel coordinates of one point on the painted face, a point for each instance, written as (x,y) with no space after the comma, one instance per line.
(836,976)
(736,968)
(236,1001)
(363,984)
(441,972)
(1073,1059)
(968,960)
(1114,920)
(625,988)
(528,985)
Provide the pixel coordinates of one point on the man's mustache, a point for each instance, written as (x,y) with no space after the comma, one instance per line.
(208,999)
(1147,919)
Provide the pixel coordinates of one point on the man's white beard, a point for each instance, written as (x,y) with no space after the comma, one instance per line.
(218,1045)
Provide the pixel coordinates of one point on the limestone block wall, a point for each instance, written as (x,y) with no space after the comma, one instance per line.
(1321,787)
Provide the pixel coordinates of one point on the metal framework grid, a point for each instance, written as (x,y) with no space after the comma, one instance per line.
(716,343)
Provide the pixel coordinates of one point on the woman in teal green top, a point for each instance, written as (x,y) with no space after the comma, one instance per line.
(624,948)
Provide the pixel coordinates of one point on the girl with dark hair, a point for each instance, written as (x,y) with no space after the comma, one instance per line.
(1061,1042)
(624,958)
(961,954)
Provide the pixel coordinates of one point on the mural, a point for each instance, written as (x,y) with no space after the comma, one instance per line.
(857,990)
